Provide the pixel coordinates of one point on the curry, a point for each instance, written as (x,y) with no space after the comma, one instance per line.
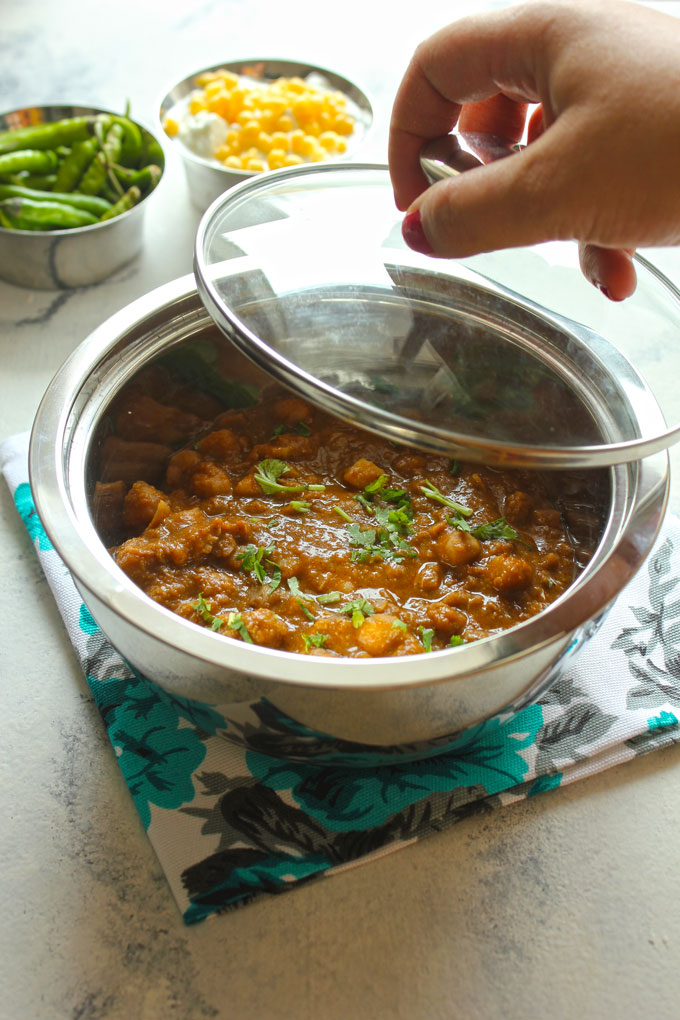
(279,525)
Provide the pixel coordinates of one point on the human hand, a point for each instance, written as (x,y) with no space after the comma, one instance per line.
(602,162)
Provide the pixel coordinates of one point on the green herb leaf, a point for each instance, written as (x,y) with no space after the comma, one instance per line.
(204,610)
(235,621)
(426,635)
(399,625)
(331,596)
(314,640)
(252,556)
(432,492)
(358,609)
(302,429)
(267,474)
(300,506)
(454,466)
(495,529)
(341,513)
(456,640)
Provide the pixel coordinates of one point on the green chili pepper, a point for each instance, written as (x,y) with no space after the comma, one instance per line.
(40,182)
(24,214)
(47,136)
(74,166)
(130,199)
(113,143)
(131,146)
(90,203)
(146,179)
(94,178)
(28,159)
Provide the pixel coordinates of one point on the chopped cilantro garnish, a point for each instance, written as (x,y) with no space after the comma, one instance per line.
(235,621)
(278,431)
(252,557)
(387,541)
(399,625)
(454,466)
(314,640)
(341,513)
(376,485)
(432,492)
(495,529)
(316,488)
(204,610)
(300,506)
(456,640)
(426,636)
(294,588)
(485,532)
(303,429)
(267,474)
(358,609)
(331,596)
(303,607)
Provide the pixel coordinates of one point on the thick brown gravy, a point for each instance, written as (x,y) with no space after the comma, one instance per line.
(285,527)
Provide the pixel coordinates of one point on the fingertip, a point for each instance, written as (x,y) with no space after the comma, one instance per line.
(611,270)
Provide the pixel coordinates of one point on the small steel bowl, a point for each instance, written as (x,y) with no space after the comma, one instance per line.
(207,178)
(62,259)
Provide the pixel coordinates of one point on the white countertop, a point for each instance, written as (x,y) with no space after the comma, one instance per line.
(562,906)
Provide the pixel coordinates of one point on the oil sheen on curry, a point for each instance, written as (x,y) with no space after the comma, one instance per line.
(284,527)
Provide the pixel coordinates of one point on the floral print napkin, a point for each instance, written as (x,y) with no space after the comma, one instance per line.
(240,800)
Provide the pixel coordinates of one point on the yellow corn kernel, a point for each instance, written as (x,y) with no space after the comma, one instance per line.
(313,128)
(212,88)
(341,146)
(264,142)
(329,141)
(296,140)
(276,158)
(344,125)
(196,105)
(280,140)
(274,105)
(229,79)
(285,123)
(206,76)
(223,152)
(245,117)
(307,146)
(292,159)
(170,126)
(254,164)
(249,133)
(233,162)
(296,85)
(220,104)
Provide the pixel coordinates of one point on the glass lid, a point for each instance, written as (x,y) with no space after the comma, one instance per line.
(505,358)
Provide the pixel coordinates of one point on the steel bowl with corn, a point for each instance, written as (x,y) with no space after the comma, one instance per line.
(232,121)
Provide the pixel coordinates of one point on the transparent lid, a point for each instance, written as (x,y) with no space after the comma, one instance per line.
(505,358)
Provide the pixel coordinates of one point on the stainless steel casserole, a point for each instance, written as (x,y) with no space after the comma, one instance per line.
(380,701)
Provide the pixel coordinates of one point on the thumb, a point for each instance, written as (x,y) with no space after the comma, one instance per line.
(512,202)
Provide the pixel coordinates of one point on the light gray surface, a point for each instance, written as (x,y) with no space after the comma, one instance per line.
(562,906)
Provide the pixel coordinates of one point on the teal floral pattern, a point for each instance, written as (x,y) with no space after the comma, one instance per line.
(23,500)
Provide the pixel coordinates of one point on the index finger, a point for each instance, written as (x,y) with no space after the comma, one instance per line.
(471,60)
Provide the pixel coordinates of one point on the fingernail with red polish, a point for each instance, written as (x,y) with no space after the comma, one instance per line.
(414,235)
(604,290)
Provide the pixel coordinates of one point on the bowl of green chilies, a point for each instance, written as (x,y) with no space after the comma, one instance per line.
(74,184)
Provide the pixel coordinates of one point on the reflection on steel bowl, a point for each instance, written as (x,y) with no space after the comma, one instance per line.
(384,699)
